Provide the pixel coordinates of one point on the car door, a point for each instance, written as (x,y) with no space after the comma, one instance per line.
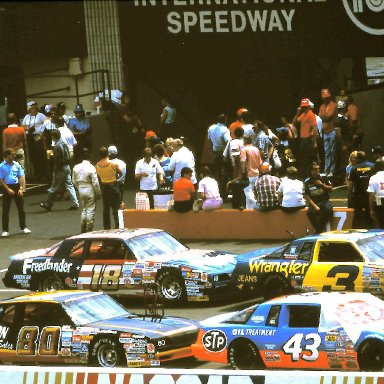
(103,265)
(336,266)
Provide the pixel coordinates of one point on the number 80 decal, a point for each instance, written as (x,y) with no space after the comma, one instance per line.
(47,345)
(293,347)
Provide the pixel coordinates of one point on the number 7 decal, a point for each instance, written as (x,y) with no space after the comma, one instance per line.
(293,347)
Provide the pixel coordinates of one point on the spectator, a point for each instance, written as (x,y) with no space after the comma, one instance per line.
(14,138)
(308,135)
(209,195)
(291,192)
(376,194)
(352,162)
(262,140)
(85,180)
(248,125)
(61,173)
(319,138)
(238,123)
(61,110)
(167,120)
(108,173)
(81,128)
(150,174)
(251,161)
(377,153)
(317,188)
(33,123)
(219,136)
(67,136)
(266,188)
(12,185)
(328,113)
(151,139)
(183,191)
(159,152)
(168,145)
(112,154)
(357,187)
(354,122)
(182,158)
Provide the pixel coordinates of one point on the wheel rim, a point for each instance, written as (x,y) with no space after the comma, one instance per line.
(171,288)
(51,284)
(107,356)
(373,358)
(244,356)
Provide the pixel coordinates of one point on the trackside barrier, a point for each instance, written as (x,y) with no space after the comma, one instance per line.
(71,375)
(231,223)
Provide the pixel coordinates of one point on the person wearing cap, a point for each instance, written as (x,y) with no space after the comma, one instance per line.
(266,188)
(149,173)
(85,180)
(262,141)
(12,184)
(343,142)
(183,191)
(167,120)
(239,122)
(182,157)
(33,124)
(328,113)
(317,187)
(81,128)
(307,150)
(112,154)
(376,194)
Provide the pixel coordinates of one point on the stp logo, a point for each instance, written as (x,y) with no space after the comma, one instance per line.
(359,10)
(214,340)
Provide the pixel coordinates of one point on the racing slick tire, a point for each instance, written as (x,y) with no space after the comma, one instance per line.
(370,355)
(50,283)
(107,353)
(243,354)
(172,287)
(274,286)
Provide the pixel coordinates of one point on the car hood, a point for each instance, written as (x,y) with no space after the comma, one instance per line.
(29,254)
(216,320)
(167,326)
(203,260)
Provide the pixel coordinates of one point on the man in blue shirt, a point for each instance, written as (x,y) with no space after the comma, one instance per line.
(12,184)
(81,128)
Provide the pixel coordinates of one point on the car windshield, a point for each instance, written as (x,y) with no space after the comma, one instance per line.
(242,317)
(372,248)
(92,308)
(154,244)
(52,249)
(278,253)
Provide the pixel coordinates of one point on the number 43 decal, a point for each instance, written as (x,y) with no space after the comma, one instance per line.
(293,346)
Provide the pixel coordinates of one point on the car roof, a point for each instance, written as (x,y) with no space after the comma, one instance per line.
(52,297)
(348,234)
(123,234)
(319,298)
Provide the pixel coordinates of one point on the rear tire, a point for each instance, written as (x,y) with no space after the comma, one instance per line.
(371,356)
(172,287)
(274,286)
(51,283)
(243,354)
(108,353)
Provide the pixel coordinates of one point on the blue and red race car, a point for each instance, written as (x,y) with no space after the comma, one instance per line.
(327,331)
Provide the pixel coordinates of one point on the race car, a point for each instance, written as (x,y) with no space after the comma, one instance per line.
(83,327)
(351,260)
(318,330)
(123,262)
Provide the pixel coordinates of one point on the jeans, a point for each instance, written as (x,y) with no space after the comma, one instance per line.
(111,200)
(330,153)
(88,203)
(362,216)
(19,200)
(319,219)
(250,201)
(61,177)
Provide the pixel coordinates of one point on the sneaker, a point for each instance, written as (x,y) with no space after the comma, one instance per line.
(45,206)
(73,208)
(5,234)
(26,231)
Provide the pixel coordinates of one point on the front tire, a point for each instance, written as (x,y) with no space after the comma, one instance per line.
(108,353)
(243,354)
(274,286)
(51,283)
(371,356)
(172,287)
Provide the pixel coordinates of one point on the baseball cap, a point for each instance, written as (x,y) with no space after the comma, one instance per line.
(240,111)
(265,167)
(305,103)
(31,104)
(325,93)
(48,108)
(79,108)
(150,134)
(112,150)
(235,151)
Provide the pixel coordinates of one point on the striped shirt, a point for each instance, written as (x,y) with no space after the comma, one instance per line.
(266,191)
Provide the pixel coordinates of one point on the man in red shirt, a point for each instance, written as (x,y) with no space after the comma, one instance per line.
(238,123)
(14,138)
(354,123)
(308,135)
(183,191)
(328,114)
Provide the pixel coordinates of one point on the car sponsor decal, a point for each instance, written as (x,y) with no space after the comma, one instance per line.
(30,265)
(253,332)
(286,268)
(214,340)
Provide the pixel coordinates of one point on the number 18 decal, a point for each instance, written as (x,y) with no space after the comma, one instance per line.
(106,277)
(293,346)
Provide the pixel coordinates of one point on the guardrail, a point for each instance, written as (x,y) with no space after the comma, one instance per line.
(71,375)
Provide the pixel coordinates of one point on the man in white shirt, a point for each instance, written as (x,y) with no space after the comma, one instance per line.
(147,171)
(84,178)
(182,157)
(112,154)
(376,194)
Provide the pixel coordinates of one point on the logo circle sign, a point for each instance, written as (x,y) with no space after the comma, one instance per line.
(354,8)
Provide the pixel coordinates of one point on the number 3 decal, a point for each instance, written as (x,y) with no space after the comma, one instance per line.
(346,283)
(293,346)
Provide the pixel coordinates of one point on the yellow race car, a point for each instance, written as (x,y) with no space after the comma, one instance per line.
(351,260)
